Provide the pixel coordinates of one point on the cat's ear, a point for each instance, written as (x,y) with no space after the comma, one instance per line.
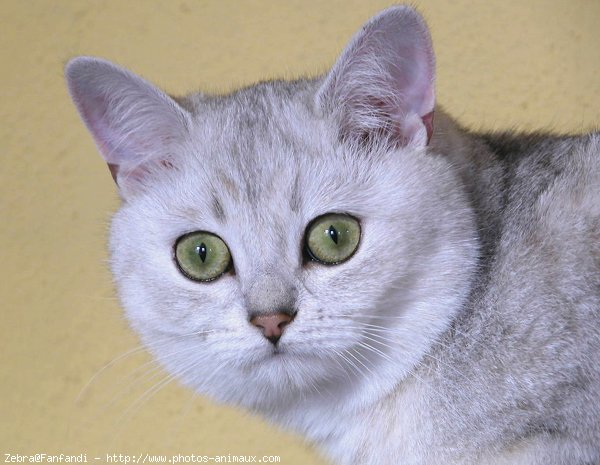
(134,124)
(383,83)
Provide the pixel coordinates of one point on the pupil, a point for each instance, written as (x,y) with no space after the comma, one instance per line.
(201,251)
(333,234)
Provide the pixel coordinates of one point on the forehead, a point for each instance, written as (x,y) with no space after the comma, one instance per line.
(262,154)
(255,144)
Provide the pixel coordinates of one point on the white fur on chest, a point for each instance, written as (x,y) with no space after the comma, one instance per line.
(392,430)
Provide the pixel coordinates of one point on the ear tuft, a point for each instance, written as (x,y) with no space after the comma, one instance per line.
(382,86)
(133,123)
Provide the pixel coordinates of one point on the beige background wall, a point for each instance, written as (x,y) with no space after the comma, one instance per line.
(502,63)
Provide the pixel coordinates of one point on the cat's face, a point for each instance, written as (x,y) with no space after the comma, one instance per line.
(276,319)
(258,184)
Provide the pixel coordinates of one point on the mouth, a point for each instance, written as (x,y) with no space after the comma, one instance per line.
(277,351)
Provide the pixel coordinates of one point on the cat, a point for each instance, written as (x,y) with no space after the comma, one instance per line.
(320,252)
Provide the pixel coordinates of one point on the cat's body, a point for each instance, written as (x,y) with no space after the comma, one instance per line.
(463,326)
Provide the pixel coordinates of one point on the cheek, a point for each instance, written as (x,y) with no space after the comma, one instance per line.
(323,323)
(358,283)
(215,306)
(166,301)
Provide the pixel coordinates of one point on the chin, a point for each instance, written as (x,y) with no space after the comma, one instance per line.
(270,382)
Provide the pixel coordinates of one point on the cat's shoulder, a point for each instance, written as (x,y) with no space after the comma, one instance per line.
(550,173)
(535,155)
(513,146)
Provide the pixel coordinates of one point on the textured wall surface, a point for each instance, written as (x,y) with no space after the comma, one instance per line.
(501,64)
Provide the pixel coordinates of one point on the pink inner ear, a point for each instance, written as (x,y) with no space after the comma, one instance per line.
(135,173)
(383,84)
(428,122)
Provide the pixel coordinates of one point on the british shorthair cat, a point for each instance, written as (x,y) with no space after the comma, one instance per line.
(329,254)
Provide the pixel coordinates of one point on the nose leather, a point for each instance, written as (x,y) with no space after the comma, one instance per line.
(272,325)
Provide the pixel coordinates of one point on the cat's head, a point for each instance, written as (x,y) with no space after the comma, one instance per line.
(292,239)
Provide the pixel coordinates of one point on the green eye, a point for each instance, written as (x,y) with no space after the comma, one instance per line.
(332,238)
(202,256)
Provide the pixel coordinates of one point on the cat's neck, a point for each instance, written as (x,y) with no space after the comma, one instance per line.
(474,161)
(481,173)
(344,428)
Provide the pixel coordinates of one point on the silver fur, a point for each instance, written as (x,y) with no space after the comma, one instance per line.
(466,328)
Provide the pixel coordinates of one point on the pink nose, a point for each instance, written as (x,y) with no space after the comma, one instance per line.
(272,325)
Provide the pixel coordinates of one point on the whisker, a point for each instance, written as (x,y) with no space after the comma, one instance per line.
(351,363)
(376,351)
(136,350)
(84,389)
(157,387)
(349,352)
